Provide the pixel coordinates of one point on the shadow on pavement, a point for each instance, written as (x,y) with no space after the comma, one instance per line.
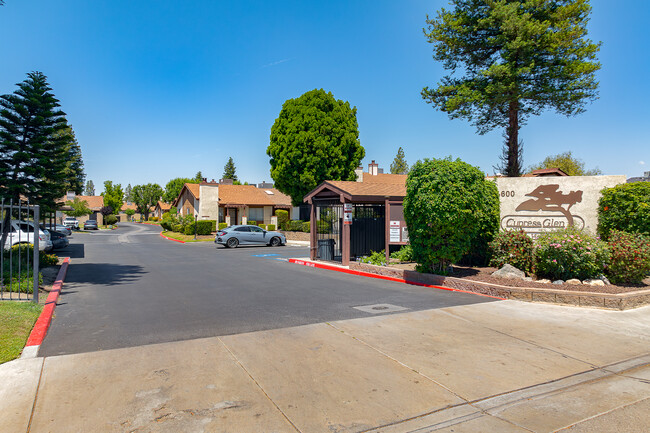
(104,273)
(74,251)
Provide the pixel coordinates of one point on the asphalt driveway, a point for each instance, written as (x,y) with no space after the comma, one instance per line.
(131,287)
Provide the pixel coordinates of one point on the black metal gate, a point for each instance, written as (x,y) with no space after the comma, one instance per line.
(368,230)
(329,229)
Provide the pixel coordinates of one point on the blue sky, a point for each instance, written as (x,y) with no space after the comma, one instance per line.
(162,89)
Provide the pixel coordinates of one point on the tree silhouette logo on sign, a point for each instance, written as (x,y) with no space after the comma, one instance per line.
(548,201)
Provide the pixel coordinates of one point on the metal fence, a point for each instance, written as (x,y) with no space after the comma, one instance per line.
(19,256)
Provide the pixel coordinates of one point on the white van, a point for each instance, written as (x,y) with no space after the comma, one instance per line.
(22,232)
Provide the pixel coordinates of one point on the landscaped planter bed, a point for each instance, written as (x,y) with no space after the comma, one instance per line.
(479,280)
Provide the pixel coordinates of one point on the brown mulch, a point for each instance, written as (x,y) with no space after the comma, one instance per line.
(485,275)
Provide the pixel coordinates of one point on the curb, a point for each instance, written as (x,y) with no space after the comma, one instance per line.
(39,331)
(171,239)
(384,277)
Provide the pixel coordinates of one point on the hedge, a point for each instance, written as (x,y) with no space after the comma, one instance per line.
(270,227)
(283,217)
(251,223)
(263,226)
(626,208)
(222,226)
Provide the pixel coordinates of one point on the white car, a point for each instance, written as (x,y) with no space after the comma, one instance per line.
(22,232)
(71,222)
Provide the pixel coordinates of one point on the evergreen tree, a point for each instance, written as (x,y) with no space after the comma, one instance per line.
(198,177)
(399,165)
(90,188)
(74,167)
(33,152)
(315,138)
(128,193)
(517,58)
(229,170)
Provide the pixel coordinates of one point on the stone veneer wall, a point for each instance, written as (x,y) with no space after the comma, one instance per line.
(622,301)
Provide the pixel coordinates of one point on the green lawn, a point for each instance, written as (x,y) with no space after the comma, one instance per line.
(16,322)
(188,238)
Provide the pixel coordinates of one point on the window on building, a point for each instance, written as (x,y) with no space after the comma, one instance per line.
(256,214)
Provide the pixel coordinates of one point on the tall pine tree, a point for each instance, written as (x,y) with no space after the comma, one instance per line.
(511,59)
(229,170)
(399,165)
(33,148)
(90,188)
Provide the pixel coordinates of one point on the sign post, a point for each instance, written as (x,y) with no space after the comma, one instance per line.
(347,213)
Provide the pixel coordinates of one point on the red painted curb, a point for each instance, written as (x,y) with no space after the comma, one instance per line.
(383,277)
(39,331)
(171,239)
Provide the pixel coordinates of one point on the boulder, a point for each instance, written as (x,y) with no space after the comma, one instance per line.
(544,280)
(528,278)
(596,282)
(604,280)
(558,282)
(509,271)
(574,281)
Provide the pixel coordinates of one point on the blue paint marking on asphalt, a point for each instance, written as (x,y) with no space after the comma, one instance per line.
(264,255)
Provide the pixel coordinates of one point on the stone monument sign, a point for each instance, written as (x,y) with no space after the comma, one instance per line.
(539,204)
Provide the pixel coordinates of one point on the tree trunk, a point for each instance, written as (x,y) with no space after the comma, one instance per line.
(513,152)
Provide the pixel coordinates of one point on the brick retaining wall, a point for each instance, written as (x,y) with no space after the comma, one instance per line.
(620,301)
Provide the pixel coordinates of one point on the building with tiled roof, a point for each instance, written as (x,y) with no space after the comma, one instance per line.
(161,208)
(225,202)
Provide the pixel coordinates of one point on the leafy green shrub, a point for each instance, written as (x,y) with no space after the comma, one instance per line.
(203,227)
(294,226)
(263,226)
(166,215)
(513,247)
(222,226)
(270,227)
(188,229)
(283,217)
(24,253)
(630,257)
(110,219)
(626,208)
(377,258)
(570,253)
(166,224)
(153,218)
(488,227)
(177,228)
(444,206)
(306,227)
(404,254)
(251,223)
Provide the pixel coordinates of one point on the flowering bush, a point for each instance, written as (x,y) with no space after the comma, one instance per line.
(630,257)
(513,247)
(570,253)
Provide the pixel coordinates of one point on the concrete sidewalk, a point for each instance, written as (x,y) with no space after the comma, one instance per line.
(494,367)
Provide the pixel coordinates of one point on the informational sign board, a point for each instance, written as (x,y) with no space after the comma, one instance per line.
(539,204)
(347,213)
(395,231)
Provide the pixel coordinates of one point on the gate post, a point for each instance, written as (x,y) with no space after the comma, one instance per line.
(36,263)
(345,241)
(312,232)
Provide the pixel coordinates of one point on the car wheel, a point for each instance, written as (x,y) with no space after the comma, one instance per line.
(275,242)
(232,243)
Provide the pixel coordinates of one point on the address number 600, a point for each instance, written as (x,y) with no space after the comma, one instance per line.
(507,193)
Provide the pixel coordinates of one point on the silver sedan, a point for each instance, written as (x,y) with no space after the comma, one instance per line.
(234,236)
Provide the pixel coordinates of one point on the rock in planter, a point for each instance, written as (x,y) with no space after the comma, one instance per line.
(596,282)
(544,280)
(528,278)
(574,281)
(604,280)
(509,271)
(558,282)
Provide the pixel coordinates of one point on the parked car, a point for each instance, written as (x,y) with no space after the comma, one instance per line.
(71,222)
(233,236)
(59,228)
(91,225)
(59,240)
(22,232)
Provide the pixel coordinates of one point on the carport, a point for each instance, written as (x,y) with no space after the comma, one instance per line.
(352,219)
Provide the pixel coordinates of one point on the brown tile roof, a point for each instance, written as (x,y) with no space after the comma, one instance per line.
(164,206)
(94,202)
(126,206)
(385,178)
(370,189)
(546,172)
(243,195)
(194,189)
(277,198)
